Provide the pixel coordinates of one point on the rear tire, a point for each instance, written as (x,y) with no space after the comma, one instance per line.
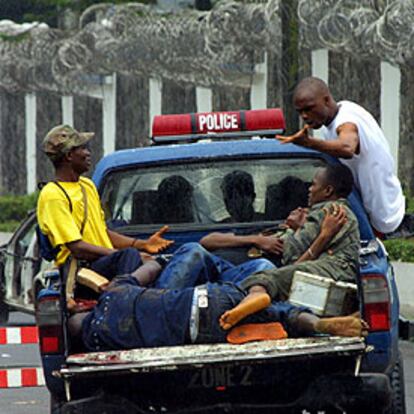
(55,405)
(397,405)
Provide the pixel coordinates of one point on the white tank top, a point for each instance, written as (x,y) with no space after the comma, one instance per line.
(372,168)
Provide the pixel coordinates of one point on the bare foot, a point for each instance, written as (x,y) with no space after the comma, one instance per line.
(252,303)
(351,325)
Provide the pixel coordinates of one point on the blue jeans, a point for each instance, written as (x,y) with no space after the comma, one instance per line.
(122,262)
(192,265)
(222,297)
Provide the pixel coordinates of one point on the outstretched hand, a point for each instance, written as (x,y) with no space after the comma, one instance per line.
(334,220)
(270,244)
(156,243)
(300,138)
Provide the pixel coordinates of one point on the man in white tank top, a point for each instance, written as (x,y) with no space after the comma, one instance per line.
(353,135)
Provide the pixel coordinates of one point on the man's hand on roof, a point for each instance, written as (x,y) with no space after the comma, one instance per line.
(156,243)
(300,138)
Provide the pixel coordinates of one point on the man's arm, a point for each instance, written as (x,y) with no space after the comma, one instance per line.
(214,241)
(331,225)
(154,244)
(86,251)
(345,146)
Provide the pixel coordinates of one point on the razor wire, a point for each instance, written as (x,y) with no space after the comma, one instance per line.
(366,28)
(218,47)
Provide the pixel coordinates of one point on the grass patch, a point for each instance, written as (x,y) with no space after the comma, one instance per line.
(9,226)
(14,209)
(400,249)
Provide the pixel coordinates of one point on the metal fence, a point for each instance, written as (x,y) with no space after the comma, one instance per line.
(219,50)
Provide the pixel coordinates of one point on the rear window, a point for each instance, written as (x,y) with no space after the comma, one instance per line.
(217,192)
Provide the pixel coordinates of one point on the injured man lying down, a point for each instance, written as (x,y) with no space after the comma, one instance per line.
(129,315)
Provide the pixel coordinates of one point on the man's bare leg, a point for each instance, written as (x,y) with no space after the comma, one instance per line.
(256,300)
(351,325)
(147,272)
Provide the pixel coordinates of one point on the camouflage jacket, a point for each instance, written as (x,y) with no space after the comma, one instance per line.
(343,247)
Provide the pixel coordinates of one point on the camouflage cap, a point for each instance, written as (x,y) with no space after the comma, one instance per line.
(62,138)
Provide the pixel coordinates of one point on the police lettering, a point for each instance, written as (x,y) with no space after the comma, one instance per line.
(217,122)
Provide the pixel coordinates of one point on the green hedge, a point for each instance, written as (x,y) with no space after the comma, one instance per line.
(400,249)
(14,208)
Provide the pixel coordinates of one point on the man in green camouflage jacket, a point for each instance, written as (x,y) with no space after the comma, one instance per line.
(325,241)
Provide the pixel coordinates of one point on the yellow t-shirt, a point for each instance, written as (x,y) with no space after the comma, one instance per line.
(61,226)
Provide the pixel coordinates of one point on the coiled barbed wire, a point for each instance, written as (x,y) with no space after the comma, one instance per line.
(382,28)
(219,47)
(204,48)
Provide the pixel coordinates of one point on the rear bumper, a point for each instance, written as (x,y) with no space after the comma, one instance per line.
(342,393)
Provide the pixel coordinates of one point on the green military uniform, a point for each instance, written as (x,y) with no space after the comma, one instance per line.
(339,261)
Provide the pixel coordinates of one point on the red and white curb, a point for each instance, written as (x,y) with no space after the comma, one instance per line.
(19,335)
(21,377)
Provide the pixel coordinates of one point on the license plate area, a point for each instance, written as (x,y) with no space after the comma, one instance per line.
(222,377)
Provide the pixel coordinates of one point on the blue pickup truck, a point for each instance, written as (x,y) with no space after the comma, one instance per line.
(178,181)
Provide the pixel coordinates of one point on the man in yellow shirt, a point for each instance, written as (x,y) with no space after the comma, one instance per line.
(69,211)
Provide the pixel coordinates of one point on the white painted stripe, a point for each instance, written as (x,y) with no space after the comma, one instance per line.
(40,377)
(30,127)
(155,100)
(320,64)
(109,114)
(320,69)
(204,97)
(390,107)
(67,109)
(258,90)
(14,378)
(13,336)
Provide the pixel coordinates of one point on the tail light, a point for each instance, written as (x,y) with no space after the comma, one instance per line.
(49,321)
(376,302)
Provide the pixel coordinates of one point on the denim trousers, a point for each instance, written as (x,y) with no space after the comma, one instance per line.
(192,265)
(122,262)
(222,297)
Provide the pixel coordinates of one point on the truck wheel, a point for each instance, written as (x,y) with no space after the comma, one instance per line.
(55,405)
(397,385)
(4,313)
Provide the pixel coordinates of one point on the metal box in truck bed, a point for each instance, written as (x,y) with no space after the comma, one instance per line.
(325,297)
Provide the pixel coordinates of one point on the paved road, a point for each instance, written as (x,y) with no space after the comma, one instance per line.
(33,400)
(36,400)
(404,275)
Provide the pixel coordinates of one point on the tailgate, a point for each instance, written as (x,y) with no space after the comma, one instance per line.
(147,360)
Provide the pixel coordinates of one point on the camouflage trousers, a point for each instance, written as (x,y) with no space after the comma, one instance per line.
(278,281)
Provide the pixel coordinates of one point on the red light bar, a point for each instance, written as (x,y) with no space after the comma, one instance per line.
(240,124)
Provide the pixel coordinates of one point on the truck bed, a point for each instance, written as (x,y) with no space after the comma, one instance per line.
(197,356)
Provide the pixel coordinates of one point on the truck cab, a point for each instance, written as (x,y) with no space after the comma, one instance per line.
(180,181)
